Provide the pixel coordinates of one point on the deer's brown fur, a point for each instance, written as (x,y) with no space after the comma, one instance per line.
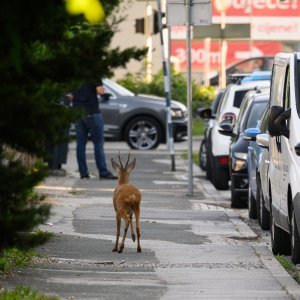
(126,200)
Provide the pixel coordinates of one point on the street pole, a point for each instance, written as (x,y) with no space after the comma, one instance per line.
(167,91)
(189,97)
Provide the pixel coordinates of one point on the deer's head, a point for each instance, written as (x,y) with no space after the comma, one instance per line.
(123,173)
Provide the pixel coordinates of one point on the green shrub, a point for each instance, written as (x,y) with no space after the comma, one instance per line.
(202,95)
(15,258)
(24,293)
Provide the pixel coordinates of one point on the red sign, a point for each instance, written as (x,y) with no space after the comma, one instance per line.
(266,8)
(237,51)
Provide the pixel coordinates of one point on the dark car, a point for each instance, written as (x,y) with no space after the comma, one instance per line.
(252,108)
(261,63)
(140,120)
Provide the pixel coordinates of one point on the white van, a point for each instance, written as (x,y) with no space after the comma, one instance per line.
(284,148)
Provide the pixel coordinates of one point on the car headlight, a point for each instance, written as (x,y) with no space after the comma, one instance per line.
(176,113)
(240,155)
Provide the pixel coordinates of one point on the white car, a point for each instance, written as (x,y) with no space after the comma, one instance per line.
(284,148)
(218,144)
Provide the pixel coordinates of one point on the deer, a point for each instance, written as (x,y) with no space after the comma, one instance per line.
(126,201)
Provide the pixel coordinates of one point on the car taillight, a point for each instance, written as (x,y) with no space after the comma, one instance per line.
(229,117)
(223,160)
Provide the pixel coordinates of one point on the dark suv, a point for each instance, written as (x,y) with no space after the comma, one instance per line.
(140,120)
(252,108)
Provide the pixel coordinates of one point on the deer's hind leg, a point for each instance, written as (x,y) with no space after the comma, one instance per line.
(118,221)
(132,229)
(138,233)
(127,221)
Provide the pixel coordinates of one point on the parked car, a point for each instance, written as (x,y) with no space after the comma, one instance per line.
(218,144)
(253,106)
(258,167)
(208,125)
(140,120)
(284,147)
(260,63)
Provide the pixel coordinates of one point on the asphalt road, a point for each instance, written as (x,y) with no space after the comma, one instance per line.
(192,247)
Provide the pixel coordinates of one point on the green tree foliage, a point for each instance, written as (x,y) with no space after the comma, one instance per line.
(44,54)
(202,96)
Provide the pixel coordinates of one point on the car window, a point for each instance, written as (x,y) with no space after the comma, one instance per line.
(117,88)
(277,86)
(263,126)
(216,102)
(238,97)
(255,114)
(255,64)
(110,91)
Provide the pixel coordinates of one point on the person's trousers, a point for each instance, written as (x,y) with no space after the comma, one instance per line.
(91,124)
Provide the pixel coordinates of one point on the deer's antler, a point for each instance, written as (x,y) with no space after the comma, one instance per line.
(127,160)
(120,160)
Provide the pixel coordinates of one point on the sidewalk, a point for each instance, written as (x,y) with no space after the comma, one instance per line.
(193,248)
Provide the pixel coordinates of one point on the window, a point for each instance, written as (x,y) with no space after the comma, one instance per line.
(238,97)
(277,85)
(255,114)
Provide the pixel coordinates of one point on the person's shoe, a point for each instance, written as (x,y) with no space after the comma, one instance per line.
(85,177)
(109,176)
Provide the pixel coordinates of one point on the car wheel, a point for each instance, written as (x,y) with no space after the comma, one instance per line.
(295,240)
(219,177)
(251,205)
(279,238)
(202,156)
(143,133)
(263,215)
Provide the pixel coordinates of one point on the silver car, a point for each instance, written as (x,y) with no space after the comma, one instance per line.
(140,120)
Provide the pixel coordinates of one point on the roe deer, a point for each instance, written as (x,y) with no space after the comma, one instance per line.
(127,200)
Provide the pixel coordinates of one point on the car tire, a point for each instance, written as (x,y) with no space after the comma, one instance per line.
(295,239)
(235,199)
(280,240)
(219,177)
(263,215)
(202,155)
(209,166)
(252,211)
(143,133)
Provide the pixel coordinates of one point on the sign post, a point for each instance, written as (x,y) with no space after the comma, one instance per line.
(170,135)
(188,13)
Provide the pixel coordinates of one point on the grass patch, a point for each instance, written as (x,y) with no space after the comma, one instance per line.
(24,293)
(289,267)
(15,258)
(197,127)
(184,156)
(21,255)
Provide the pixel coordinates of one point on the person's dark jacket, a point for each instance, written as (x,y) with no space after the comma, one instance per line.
(86,98)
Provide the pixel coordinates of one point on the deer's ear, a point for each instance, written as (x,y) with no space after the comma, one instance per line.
(115,165)
(131,166)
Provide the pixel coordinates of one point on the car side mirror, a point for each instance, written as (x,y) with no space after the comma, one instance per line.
(226,128)
(263,140)
(250,134)
(205,113)
(277,121)
(106,96)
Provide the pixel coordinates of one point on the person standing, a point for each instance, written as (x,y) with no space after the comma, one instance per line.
(86,98)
